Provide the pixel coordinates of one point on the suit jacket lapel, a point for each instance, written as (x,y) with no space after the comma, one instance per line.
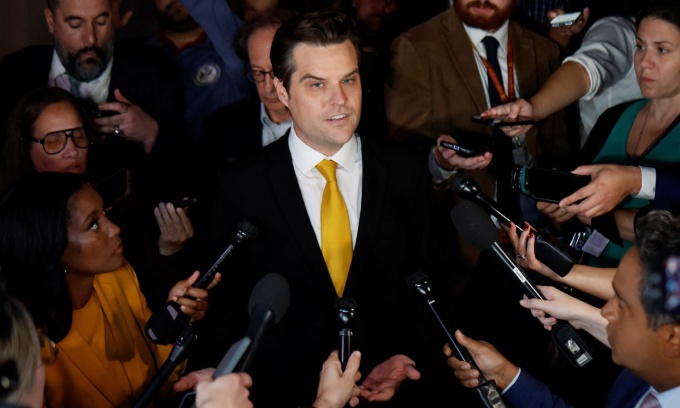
(372,201)
(525,60)
(286,190)
(463,58)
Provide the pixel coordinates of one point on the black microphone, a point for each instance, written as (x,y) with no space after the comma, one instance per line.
(165,326)
(346,309)
(268,304)
(474,224)
(551,251)
(487,390)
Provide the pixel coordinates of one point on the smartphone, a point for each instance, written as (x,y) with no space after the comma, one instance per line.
(546,184)
(114,188)
(564,20)
(503,120)
(98,113)
(185,203)
(460,150)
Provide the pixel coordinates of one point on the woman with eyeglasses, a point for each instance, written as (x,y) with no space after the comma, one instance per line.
(63,258)
(49,130)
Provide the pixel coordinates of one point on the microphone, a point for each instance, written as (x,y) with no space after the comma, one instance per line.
(165,326)
(487,391)
(346,309)
(268,304)
(473,223)
(549,250)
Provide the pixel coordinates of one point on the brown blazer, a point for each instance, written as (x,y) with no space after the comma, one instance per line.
(434,87)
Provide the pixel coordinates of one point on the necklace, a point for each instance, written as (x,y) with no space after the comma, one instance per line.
(644,123)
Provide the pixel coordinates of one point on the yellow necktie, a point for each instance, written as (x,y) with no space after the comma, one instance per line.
(336,235)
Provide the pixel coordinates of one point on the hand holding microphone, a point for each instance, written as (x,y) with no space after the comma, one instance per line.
(551,251)
(487,391)
(167,324)
(474,224)
(346,310)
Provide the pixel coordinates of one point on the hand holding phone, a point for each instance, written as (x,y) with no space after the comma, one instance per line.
(460,150)
(504,120)
(565,20)
(185,203)
(545,184)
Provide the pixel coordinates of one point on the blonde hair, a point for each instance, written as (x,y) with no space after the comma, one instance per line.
(18,342)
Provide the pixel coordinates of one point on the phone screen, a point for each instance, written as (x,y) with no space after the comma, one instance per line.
(504,120)
(549,185)
(566,19)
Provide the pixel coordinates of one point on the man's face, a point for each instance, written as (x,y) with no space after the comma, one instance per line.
(324,96)
(634,345)
(172,16)
(83,36)
(487,15)
(259,44)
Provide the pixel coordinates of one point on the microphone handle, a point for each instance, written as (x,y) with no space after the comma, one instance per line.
(209,275)
(570,344)
(487,390)
(527,285)
(345,349)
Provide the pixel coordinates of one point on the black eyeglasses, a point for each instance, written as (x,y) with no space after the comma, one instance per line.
(257,75)
(55,142)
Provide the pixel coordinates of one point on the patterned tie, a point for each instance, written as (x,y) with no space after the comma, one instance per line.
(336,235)
(650,401)
(502,151)
(69,84)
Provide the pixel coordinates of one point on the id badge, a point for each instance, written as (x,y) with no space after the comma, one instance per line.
(520,154)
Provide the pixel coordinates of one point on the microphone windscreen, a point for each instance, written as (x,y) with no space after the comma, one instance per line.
(248,229)
(415,278)
(345,303)
(271,292)
(457,181)
(473,223)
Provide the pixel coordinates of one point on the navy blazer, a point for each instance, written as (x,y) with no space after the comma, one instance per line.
(529,392)
(392,242)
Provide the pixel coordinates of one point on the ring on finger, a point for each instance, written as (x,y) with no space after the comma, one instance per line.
(116,129)
(522,256)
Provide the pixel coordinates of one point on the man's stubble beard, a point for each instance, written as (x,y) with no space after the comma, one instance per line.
(93,66)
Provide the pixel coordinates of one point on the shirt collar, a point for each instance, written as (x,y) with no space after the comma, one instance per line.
(476,35)
(98,87)
(668,398)
(306,158)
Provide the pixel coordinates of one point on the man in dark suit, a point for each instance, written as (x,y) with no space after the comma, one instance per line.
(643,328)
(441,76)
(386,194)
(148,133)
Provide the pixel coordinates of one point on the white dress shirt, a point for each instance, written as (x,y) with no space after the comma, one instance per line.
(96,90)
(272,131)
(667,399)
(349,174)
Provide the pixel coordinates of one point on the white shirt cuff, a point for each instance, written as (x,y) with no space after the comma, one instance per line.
(648,185)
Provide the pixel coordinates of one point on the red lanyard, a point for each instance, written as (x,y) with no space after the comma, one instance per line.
(494,76)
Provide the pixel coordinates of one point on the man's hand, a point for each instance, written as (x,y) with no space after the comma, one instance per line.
(385,378)
(610,184)
(450,160)
(562,35)
(131,122)
(190,380)
(492,363)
